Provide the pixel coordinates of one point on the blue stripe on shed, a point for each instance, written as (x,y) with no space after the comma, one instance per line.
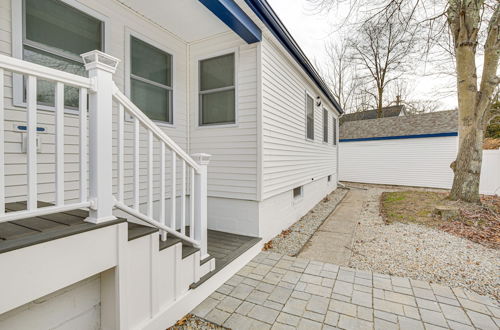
(398,137)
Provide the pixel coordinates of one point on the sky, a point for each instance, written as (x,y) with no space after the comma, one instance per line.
(312,30)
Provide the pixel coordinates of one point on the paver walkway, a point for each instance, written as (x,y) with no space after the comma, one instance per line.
(281,292)
(333,239)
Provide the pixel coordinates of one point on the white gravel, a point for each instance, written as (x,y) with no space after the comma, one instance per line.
(422,253)
(303,229)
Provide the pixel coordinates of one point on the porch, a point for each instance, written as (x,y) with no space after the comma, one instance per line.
(222,247)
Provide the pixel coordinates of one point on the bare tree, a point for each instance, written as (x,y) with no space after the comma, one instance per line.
(341,74)
(471,24)
(382,49)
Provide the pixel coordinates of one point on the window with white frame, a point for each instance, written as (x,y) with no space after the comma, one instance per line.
(325,125)
(334,135)
(55,35)
(309,117)
(151,80)
(217,90)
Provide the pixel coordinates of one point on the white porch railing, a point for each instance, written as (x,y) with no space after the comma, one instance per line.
(34,72)
(103,96)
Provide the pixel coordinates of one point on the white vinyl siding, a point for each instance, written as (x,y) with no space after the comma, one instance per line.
(421,162)
(289,159)
(118,20)
(232,172)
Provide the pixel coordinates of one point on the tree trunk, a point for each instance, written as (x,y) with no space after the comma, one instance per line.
(379,103)
(467,167)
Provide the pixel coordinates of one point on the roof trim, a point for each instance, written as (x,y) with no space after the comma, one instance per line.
(399,137)
(267,15)
(235,18)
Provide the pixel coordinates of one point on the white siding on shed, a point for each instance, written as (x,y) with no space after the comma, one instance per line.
(422,162)
(289,159)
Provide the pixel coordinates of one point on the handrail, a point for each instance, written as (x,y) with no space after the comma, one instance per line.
(40,71)
(150,125)
(155,223)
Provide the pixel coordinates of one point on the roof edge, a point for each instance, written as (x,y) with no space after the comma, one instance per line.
(267,15)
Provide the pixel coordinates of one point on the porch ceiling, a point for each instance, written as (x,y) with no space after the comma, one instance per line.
(190,20)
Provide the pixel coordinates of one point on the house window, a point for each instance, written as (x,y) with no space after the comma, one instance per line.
(151,80)
(309,117)
(325,125)
(334,131)
(297,192)
(54,35)
(217,90)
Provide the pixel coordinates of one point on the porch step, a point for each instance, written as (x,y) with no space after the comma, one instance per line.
(225,248)
(36,230)
(136,231)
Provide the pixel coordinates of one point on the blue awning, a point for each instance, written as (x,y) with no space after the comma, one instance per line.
(234,17)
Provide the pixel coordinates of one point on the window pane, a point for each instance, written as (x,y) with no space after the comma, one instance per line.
(334,130)
(55,24)
(46,89)
(154,101)
(151,63)
(217,72)
(218,107)
(325,125)
(310,117)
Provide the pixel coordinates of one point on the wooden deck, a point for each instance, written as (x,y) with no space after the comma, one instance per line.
(224,247)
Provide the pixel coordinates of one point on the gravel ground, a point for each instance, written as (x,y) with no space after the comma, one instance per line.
(300,232)
(194,322)
(422,253)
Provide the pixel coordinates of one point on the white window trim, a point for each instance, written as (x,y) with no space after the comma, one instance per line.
(300,198)
(308,94)
(323,109)
(17,46)
(128,69)
(197,60)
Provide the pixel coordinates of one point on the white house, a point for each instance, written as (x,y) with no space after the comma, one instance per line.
(210,101)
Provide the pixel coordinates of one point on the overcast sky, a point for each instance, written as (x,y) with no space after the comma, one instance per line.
(312,30)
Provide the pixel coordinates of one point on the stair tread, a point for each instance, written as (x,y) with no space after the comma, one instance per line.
(136,231)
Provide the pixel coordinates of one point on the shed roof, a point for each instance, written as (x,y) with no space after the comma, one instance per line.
(427,123)
(392,111)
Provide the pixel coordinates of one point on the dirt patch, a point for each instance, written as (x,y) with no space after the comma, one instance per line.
(478,223)
(191,322)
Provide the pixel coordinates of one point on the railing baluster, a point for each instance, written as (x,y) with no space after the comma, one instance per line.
(83,144)
(136,164)
(59,103)
(2,149)
(191,204)
(121,143)
(150,174)
(31,147)
(163,217)
(173,196)
(183,198)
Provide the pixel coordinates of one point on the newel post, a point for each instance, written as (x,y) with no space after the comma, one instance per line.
(200,202)
(101,68)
